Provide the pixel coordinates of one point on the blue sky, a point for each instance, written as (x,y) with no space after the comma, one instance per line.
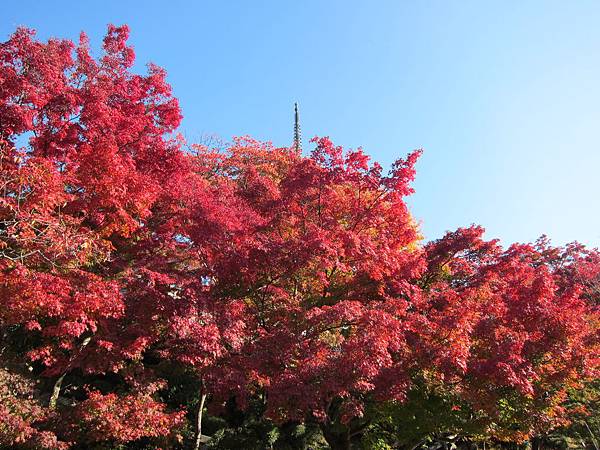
(504,96)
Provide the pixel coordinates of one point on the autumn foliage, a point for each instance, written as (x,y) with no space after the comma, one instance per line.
(140,273)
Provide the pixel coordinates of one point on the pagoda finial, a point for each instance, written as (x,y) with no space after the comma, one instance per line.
(297,133)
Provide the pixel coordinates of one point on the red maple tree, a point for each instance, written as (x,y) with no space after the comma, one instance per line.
(299,281)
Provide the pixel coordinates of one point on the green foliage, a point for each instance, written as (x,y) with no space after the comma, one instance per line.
(584,431)
(425,415)
(236,429)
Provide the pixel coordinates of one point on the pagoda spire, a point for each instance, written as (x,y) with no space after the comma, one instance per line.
(297,133)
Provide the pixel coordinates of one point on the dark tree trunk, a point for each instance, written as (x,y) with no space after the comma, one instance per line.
(337,439)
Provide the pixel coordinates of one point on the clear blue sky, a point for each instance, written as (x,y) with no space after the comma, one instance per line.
(504,96)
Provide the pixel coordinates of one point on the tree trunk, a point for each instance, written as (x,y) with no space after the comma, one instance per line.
(199,422)
(336,440)
(58,383)
(56,391)
(594,442)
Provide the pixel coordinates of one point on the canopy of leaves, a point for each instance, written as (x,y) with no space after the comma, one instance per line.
(140,273)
